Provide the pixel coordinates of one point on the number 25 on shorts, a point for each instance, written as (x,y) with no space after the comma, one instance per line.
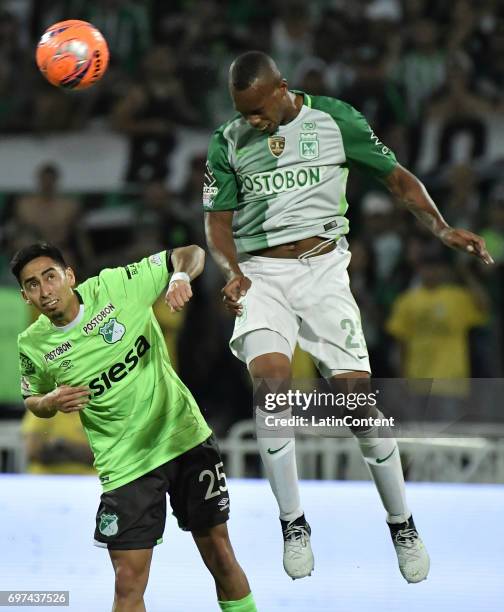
(214,488)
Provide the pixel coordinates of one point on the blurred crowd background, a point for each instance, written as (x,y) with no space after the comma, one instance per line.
(115,173)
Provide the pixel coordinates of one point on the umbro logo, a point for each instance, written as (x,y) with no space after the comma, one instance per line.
(66,364)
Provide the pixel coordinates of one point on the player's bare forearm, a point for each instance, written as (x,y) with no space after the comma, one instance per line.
(411,193)
(219,235)
(188,259)
(64,398)
(188,263)
(39,406)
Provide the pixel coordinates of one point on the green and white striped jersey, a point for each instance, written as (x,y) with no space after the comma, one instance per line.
(291,185)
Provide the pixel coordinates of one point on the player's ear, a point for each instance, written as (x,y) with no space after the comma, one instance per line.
(70,274)
(25,297)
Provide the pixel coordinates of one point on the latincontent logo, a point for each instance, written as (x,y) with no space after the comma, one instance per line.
(313,401)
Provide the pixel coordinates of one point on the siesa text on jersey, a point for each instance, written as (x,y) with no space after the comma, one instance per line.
(121,369)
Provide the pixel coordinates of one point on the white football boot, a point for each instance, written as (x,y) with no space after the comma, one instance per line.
(298,559)
(412,556)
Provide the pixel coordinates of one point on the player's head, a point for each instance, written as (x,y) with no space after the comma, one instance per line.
(258,90)
(45,278)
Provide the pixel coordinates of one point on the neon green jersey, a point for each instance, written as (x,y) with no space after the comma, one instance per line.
(291,185)
(140,414)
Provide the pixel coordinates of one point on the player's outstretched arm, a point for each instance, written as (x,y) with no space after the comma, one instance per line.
(188,263)
(64,399)
(219,235)
(411,193)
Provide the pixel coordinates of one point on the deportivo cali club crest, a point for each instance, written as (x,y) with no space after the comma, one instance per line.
(308,145)
(112,331)
(108,524)
(276,145)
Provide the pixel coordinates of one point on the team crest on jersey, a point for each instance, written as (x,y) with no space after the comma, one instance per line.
(276,145)
(308,145)
(112,331)
(108,525)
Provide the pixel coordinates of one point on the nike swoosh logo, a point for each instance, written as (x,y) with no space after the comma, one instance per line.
(362,356)
(385,458)
(272,452)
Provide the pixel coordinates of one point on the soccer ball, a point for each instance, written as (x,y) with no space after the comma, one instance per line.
(72,54)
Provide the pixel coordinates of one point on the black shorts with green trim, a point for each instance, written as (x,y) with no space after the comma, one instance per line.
(133,516)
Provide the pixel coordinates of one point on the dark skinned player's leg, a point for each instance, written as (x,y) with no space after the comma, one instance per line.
(131,569)
(233,590)
(380,451)
(278,453)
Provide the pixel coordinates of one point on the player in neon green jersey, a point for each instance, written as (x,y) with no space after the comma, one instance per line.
(275,203)
(98,349)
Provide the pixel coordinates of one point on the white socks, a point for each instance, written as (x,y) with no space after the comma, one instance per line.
(384,462)
(277,449)
(278,452)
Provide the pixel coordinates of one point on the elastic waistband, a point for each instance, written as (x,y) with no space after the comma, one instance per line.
(341,248)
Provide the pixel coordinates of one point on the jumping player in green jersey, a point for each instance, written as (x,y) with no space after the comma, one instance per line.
(275,203)
(99,350)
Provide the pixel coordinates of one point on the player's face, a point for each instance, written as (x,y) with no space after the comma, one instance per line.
(262,104)
(48,286)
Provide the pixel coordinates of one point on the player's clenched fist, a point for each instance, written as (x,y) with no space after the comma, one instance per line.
(178,294)
(66,398)
(233,291)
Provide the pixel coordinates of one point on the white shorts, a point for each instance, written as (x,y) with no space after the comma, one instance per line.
(308,302)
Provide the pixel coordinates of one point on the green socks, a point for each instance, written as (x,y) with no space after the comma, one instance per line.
(246,604)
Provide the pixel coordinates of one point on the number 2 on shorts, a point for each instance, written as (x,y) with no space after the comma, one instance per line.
(352,339)
(211,492)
